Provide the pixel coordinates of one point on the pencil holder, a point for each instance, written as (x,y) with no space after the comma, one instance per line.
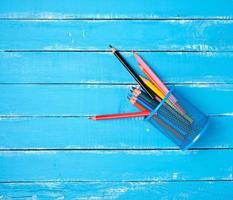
(179,120)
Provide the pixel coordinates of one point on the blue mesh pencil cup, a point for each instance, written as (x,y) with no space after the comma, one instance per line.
(182,123)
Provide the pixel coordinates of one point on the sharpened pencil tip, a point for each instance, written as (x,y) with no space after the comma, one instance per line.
(136,87)
(92,118)
(113,49)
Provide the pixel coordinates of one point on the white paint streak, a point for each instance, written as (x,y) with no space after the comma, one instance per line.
(230,177)
(10,55)
(102,86)
(184,195)
(199,47)
(182,21)
(174,175)
(210,178)
(50,185)
(227,114)
(90,198)
(40,15)
(137,119)
(62,15)
(34,197)
(59,47)
(207,85)
(151,152)
(83,33)
(13,153)
(115,193)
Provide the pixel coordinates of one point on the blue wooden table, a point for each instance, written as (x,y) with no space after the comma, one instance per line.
(56,70)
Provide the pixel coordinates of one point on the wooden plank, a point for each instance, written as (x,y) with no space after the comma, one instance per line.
(116,165)
(118,190)
(83,100)
(99,67)
(187,35)
(151,9)
(81,133)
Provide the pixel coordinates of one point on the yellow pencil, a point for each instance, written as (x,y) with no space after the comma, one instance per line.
(161,95)
(153,87)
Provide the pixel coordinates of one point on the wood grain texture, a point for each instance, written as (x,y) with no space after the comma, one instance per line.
(81,133)
(99,67)
(118,190)
(127,165)
(151,9)
(84,100)
(56,69)
(187,35)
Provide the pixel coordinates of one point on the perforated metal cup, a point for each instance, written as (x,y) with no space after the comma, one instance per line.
(181,122)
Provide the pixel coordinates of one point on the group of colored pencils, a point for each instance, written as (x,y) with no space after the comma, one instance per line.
(148,96)
(174,116)
(167,116)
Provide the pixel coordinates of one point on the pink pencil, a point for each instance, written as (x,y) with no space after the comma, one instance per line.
(154,78)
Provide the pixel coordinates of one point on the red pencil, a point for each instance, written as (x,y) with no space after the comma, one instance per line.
(133,101)
(120,116)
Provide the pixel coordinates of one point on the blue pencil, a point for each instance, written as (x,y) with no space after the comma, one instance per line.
(163,115)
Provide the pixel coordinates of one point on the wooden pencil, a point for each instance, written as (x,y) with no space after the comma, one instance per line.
(132,72)
(121,115)
(153,87)
(171,115)
(156,81)
(154,78)
(162,123)
(137,105)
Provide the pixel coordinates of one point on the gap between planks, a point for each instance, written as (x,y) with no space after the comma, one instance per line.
(126,181)
(121,83)
(118,19)
(84,116)
(108,150)
(109,51)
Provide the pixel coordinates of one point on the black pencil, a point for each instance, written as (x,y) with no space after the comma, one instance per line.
(133,73)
